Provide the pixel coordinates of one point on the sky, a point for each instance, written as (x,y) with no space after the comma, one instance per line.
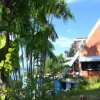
(86,13)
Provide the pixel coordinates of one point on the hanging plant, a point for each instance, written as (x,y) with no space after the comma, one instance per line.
(2,41)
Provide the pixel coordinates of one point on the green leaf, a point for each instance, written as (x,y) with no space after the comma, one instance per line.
(7,10)
(1,64)
(8,55)
(7,60)
(3,97)
(7,67)
(1,8)
(2,41)
(10,50)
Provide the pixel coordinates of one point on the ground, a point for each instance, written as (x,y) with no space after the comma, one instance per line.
(91,95)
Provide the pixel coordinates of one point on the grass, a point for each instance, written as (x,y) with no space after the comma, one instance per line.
(92,92)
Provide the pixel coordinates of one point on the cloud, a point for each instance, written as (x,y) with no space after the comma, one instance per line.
(70,31)
(73,1)
(63,42)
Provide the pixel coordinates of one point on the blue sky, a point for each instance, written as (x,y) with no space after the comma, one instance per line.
(86,13)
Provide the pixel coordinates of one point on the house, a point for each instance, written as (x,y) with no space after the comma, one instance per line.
(87,54)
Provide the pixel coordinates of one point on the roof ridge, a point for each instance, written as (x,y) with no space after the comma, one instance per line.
(93,30)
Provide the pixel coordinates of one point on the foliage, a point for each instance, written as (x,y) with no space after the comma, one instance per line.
(11,59)
(55,66)
(70,52)
(85,85)
(27,27)
(16,90)
(2,41)
(90,94)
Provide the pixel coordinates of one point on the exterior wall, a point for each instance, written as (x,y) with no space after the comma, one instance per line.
(90,74)
(92,47)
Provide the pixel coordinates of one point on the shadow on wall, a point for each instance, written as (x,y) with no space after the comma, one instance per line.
(94,50)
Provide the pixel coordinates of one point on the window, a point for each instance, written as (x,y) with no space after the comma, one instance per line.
(91,65)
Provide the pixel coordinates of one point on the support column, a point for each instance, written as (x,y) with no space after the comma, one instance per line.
(80,68)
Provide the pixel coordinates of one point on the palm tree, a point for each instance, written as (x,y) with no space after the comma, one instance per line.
(29,22)
(58,9)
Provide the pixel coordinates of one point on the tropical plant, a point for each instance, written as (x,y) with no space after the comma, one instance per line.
(27,26)
(55,66)
(70,52)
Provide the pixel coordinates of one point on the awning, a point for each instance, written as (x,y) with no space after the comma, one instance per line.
(89,58)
